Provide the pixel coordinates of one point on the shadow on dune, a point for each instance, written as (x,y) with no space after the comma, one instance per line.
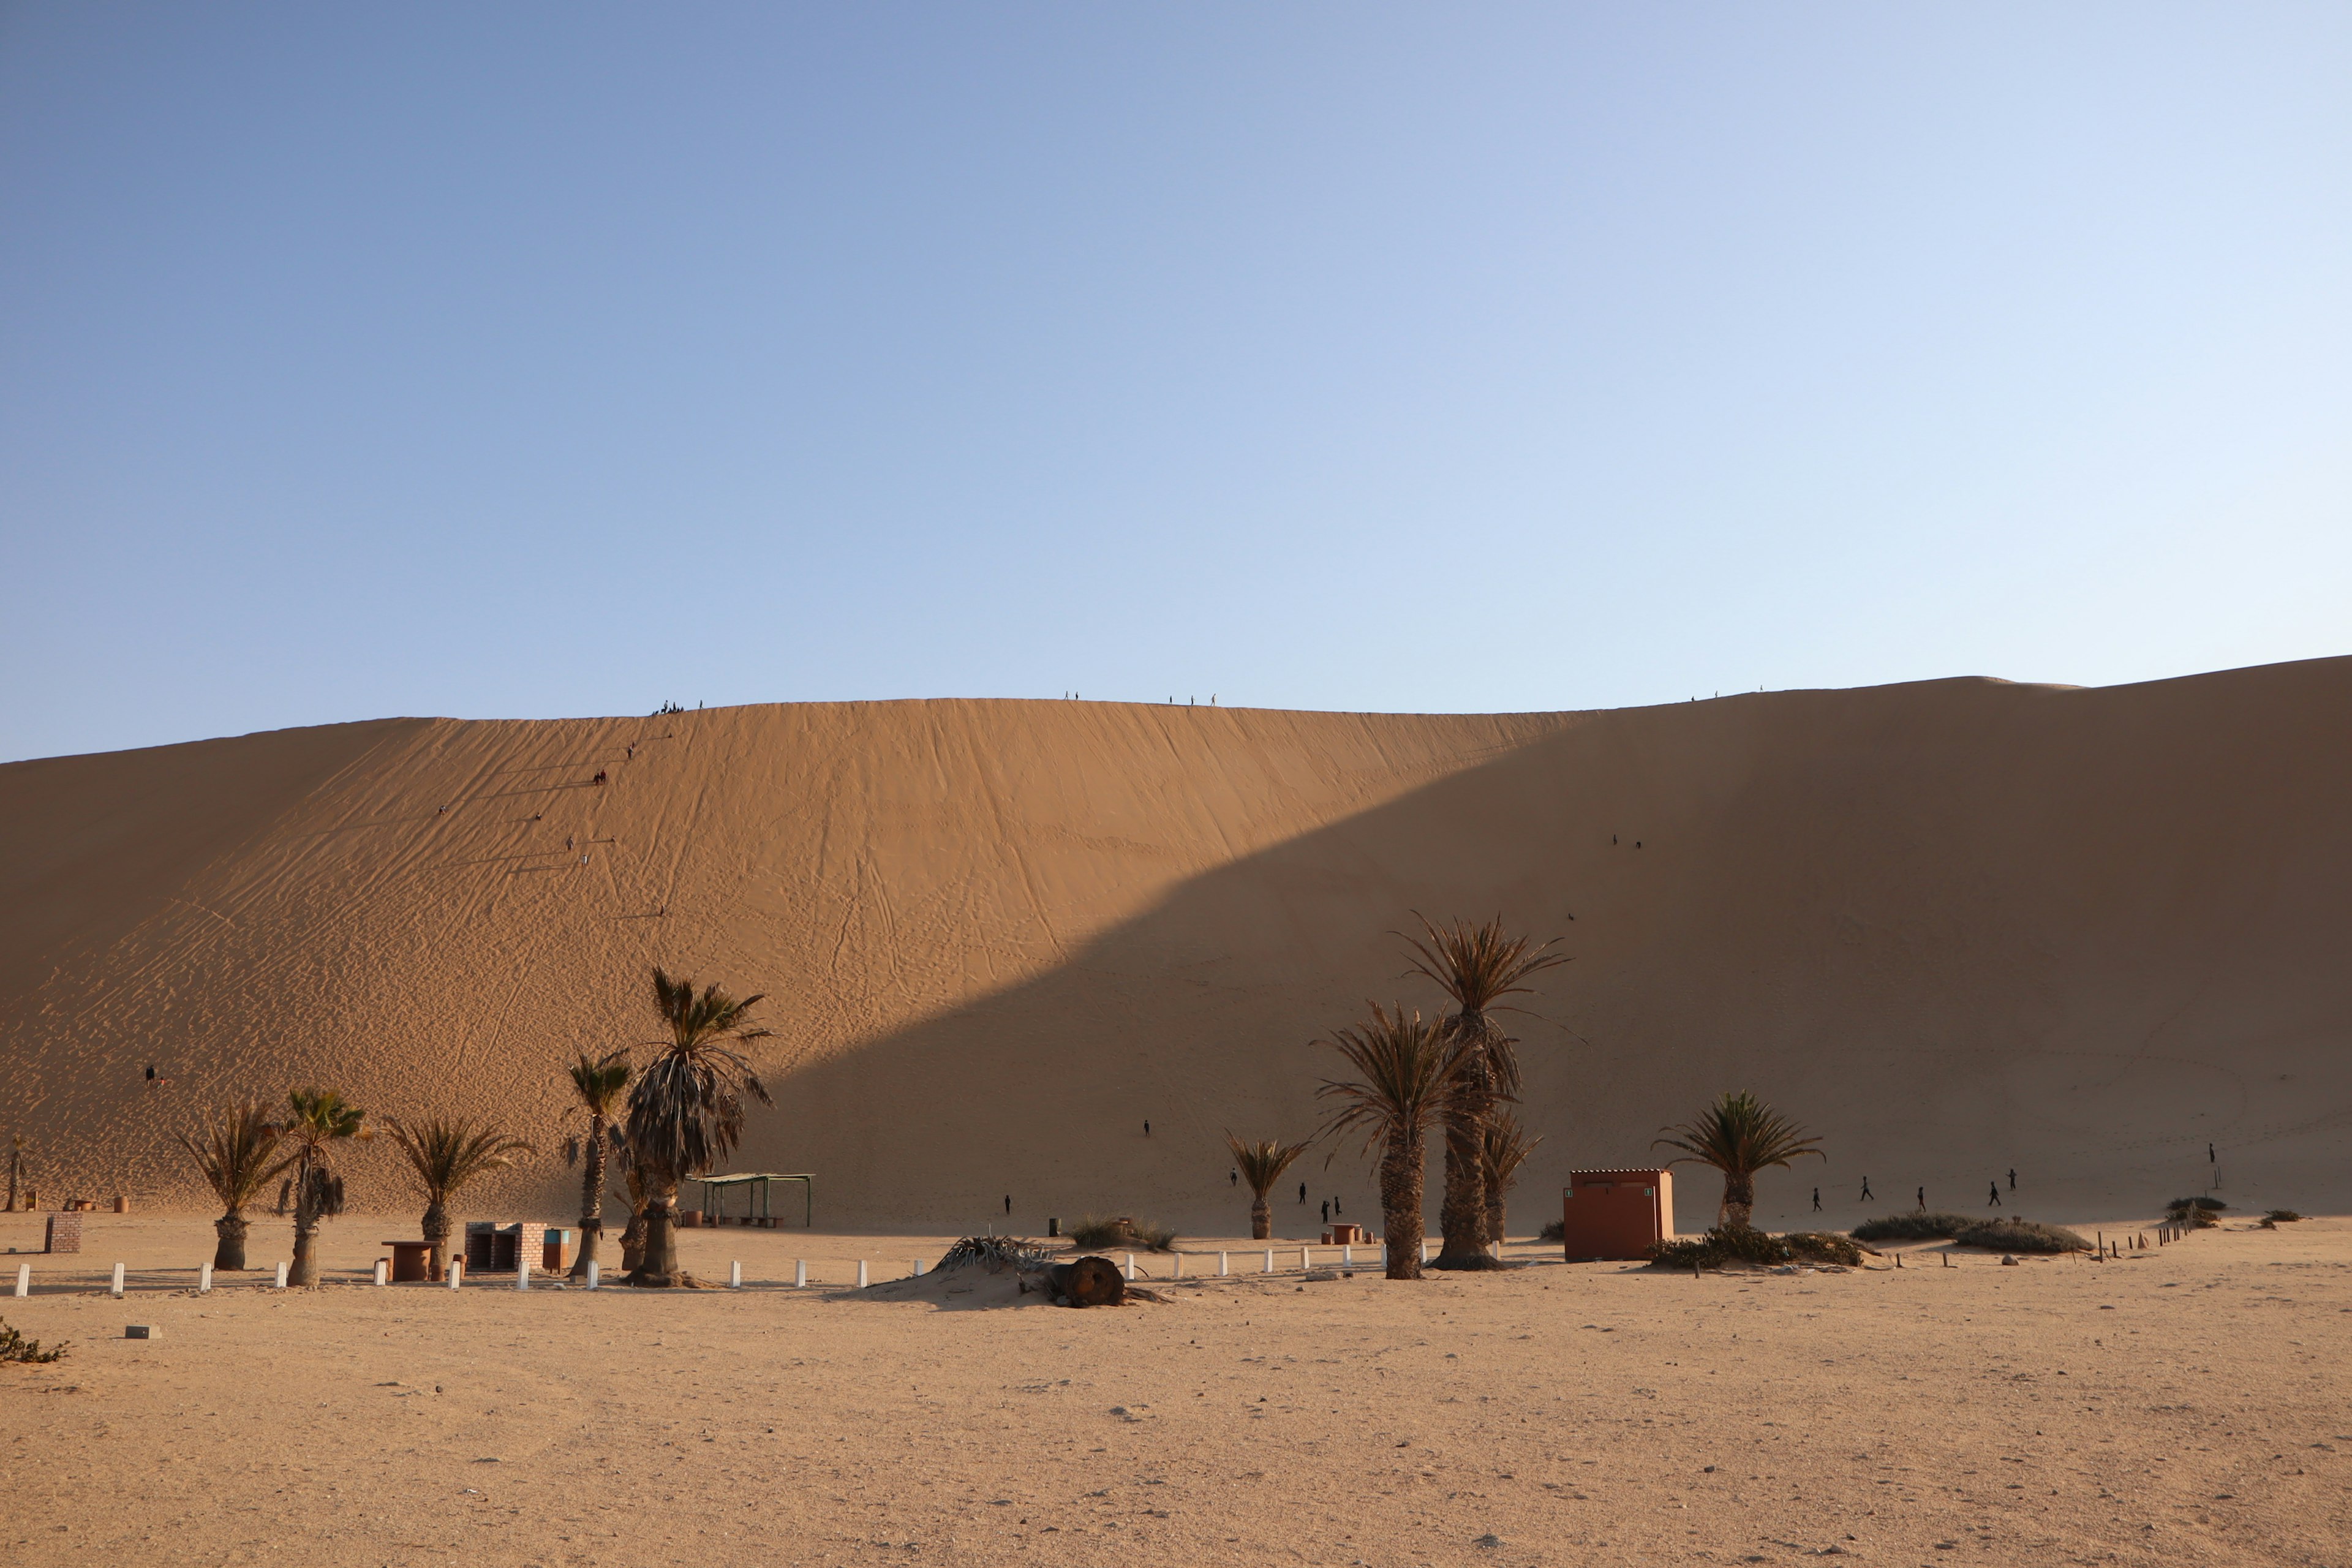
(1958,928)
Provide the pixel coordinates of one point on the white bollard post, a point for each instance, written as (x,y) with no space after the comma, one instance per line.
(118,1279)
(1222,1269)
(522,1273)
(919,1269)
(203,1280)
(281,1277)
(799,1273)
(457,1272)
(1346,1257)
(1269,1260)
(383,1271)
(735,1274)
(1177,1270)
(24,1278)
(1131,1266)
(1305,1259)
(592,1273)
(1424,1249)
(861,1274)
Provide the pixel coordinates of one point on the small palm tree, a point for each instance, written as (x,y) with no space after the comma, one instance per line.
(1407,1071)
(444,1156)
(599,1083)
(236,1153)
(686,1112)
(1260,1165)
(322,1118)
(1477,966)
(1507,1147)
(1738,1135)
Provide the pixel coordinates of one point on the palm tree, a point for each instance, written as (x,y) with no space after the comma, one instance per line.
(598,1081)
(238,1156)
(1408,1070)
(1477,966)
(638,1185)
(1260,1165)
(444,1156)
(1740,1135)
(686,1112)
(322,1118)
(1507,1147)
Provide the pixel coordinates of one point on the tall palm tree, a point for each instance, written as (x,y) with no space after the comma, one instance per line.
(686,1112)
(236,1154)
(444,1156)
(1505,1147)
(1407,1069)
(1477,966)
(1740,1135)
(322,1118)
(1260,1165)
(599,1083)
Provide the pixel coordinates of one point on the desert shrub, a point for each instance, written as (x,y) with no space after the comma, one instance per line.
(1742,1243)
(2180,1205)
(2196,1214)
(1921,1227)
(994,1253)
(1555,1231)
(2021,1236)
(2277,1217)
(16,1348)
(1094,1230)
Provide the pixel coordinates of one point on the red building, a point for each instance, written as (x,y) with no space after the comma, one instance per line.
(1616,1213)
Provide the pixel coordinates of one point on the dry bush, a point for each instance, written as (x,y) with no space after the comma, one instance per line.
(1095,1230)
(16,1348)
(2278,1218)
(994,1253)
(1740,1244)
(2021,1236)
(1925,1226)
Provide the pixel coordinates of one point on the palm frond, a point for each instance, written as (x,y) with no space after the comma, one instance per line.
(445,1154)
(1477,966)
(1262,1163)
(1738,1135)
(1406,1068)
(1507,1147)
(600,1083)
(236,1153)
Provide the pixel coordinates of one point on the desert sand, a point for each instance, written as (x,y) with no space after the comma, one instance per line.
(1958,928)
(2187,1407)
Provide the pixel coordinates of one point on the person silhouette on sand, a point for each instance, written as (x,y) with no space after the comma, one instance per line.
(1865,1190)
(1923,1200)
(1326,1211)
(1817,1199)
(1233,1177)
(2012,1178)
(1302,1192)
(1147,1127)
(1008,1203)
(1994,1201)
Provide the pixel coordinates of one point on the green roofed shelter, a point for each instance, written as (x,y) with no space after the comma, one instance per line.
(755,1199)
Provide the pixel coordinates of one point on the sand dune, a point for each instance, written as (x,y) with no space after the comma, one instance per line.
(1958,927)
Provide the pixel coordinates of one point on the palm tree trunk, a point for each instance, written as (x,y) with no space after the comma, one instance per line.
(436,1230)
(592,1199)
(1738,1200)
(1261,1219)
(305,1269)
(658,1267)
(229,1253)
(1400,1173)
(1461,1217)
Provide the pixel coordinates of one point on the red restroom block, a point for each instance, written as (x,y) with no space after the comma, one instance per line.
(1616,1213)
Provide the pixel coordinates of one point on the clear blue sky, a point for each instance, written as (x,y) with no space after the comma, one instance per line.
(532,360)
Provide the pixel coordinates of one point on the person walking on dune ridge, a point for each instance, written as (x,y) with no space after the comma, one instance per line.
(1994,1202)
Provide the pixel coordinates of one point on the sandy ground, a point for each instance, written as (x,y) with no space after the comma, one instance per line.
(2187,1407)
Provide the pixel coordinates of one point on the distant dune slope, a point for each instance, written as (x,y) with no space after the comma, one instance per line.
(1959,927)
